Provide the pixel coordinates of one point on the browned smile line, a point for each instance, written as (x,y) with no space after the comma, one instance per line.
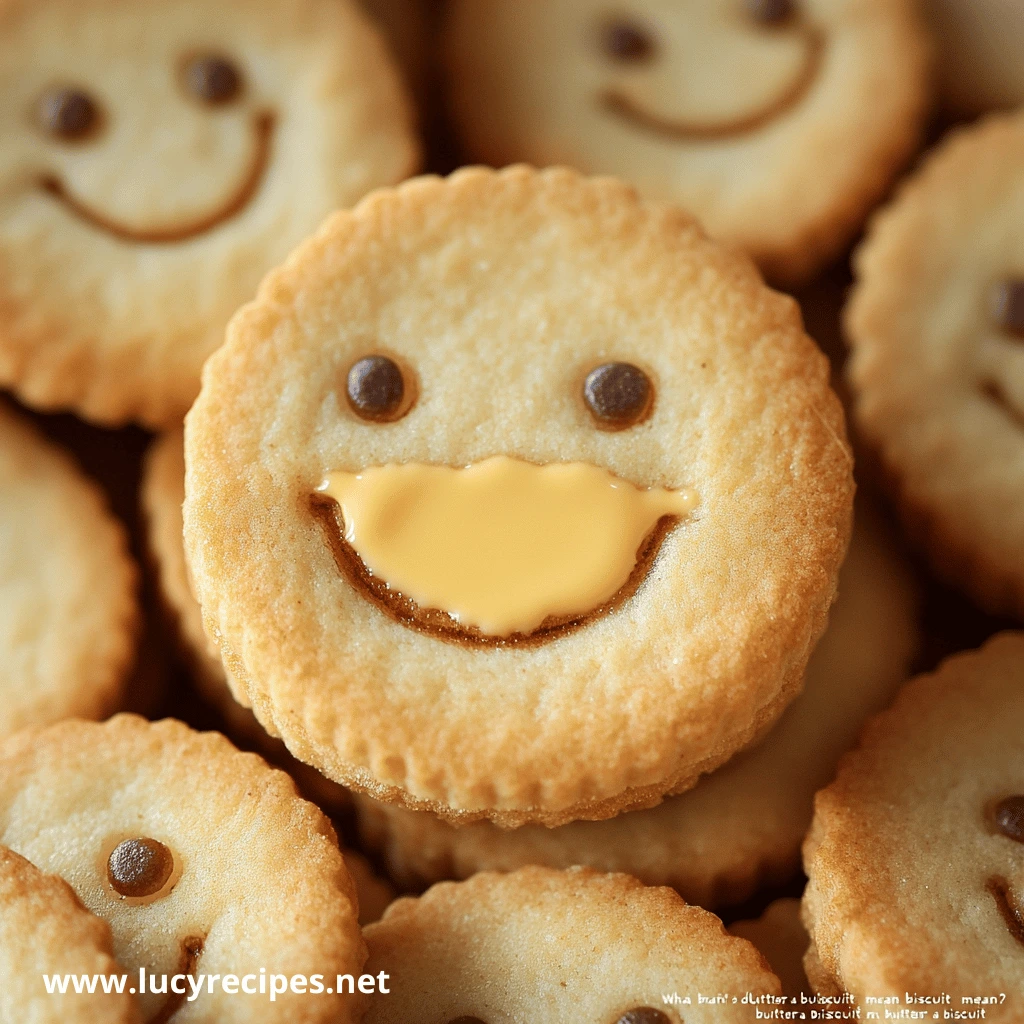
(191,950)
(995,393)
(693,131)
(263,130)
(440,624)
(999,888)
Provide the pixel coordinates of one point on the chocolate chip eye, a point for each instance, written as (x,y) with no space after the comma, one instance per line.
(1008,305)
(377,390)
(618,395)
(70,115)
(1009,817)
(643,1015)
(771,12)
(627,40)
(139,867)
(212,79)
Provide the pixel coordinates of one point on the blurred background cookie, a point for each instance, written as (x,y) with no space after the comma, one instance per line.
(782,940)
(558,947)
(936,327)
(155,161)
(916,854)
(68,607)
(778,124)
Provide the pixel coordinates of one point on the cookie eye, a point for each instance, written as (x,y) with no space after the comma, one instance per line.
(618,395)
(212,79)
(1009,817)
(377,389)
(1008,305)
(68,114)
(771,12)
(624,39)
(139,867)
(643,1015)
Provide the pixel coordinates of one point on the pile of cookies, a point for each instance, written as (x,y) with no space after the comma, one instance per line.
(489,536)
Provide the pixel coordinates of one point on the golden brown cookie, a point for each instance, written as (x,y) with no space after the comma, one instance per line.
(916,855)
(979,47)
(68,609)
(203,860)
(742,825)
(156,160)
(572,347)
(559,947)
(936,325)
(779,124)
(47,941)
(781,938)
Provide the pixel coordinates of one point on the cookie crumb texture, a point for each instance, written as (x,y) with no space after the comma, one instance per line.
(935,322)
(916,881)
(44,929)
(68,614)
(257,879)
(146,185)
(500,292)
(779,125)
(556,947)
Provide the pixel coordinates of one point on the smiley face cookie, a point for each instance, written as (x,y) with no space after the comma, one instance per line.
(203,860)
(936,325)
(386,470)
(68,610)
(558,947)
(151,152)
(916,855)
(45,930)
(779,123)
(979,47)
(742,825)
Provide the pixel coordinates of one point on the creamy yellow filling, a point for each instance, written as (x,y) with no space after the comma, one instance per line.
(502,544)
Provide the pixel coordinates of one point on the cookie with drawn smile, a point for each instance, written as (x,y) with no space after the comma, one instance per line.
(204,862)
(778,123)
(936,327)
(155,161)
(916,854)
(512,496)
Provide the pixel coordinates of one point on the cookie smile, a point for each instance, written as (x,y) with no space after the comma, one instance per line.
(628,110)
(263,130)
(501,551)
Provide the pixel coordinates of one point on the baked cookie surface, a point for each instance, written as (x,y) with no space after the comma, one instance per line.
(557,946)
(941,910)
(495,307)
(936,325)
(742,825)
(203,860)
(68,609)
(779,124)
(155,151)
(44,930)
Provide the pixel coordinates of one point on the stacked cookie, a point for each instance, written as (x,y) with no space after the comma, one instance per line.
(508,512)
